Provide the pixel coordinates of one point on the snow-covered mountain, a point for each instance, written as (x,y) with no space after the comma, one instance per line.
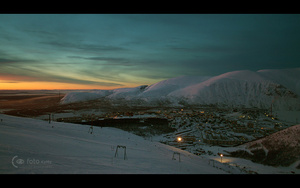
(165,87)
(244,88)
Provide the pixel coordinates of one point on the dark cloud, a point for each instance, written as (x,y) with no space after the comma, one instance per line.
(14,60)
(64,79)
(202,49)
(107,60)
(4,60)
(42,33)
(65,63)
(85,47)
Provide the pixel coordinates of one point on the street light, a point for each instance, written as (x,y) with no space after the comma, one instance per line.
(221,155)
(179,139)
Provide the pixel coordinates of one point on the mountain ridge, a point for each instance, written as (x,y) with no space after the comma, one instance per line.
(244,88)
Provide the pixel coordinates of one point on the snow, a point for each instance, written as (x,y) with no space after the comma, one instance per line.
(244,88)
(167,86)
(287,77)
(32,146)
(230,77)
(287,137)
(84,96)
(127,93)
(35,146)
(235,88)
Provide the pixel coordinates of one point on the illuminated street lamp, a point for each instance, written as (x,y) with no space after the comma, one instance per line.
(221,155)
(179,139)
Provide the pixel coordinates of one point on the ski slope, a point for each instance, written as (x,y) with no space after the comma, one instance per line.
(34,146)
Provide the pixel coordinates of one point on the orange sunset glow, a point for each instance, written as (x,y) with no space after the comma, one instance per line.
(49,86)
(18,82)
(45,85)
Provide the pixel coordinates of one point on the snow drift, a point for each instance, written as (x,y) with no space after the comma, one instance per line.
(244,88)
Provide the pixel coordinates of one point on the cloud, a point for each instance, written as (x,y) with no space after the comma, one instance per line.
(12,82)
(4,60)
(14,60)
(42,33)
(206,48)
(64,79)
(14,78)
(80,46)
(107,60)
(9,72)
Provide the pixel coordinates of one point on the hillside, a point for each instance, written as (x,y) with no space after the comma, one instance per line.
(240,89)
(34,146)
(165,87)
(245,88)
(279,149)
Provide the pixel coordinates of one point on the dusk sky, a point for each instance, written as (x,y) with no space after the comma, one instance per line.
(107,51)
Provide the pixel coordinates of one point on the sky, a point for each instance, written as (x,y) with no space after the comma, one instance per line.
(108,51)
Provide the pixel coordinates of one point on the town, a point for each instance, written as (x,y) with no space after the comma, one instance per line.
(194,127)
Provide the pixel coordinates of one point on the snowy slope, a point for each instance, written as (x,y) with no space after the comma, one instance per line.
(34,146)
(289,78)
(84,96)
(280,148)
(239,88)
(224,85)
(126,93)
(245,88)
(148,93)
(165,87)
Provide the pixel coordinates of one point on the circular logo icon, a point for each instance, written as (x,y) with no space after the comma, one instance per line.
(17,161)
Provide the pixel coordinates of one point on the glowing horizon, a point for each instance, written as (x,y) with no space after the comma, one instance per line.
(109,51)
(54,86)
(16,82)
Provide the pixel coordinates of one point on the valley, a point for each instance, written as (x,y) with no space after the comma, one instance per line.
(223,118)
